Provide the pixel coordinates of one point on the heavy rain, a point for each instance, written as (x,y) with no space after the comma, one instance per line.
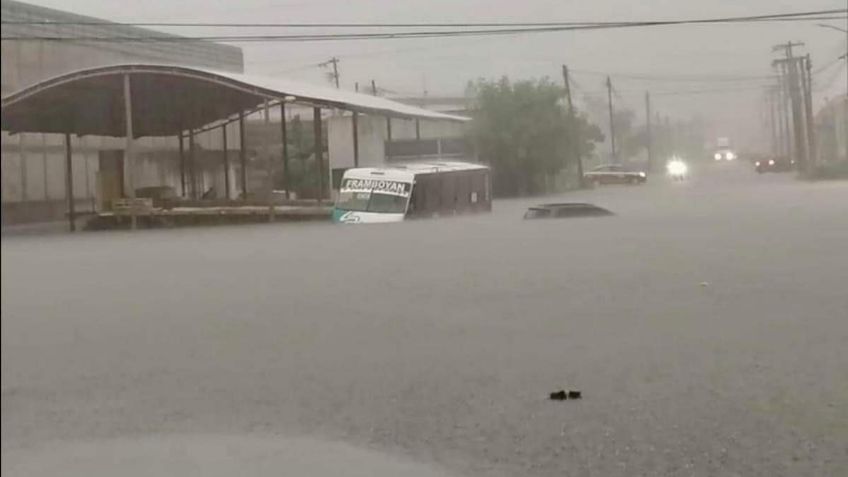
(227,323)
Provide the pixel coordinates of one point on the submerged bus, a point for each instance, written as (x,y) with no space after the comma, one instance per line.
(421,189)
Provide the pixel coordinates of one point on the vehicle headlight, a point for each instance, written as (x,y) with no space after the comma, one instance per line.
(730,156)
(771,162)
(642,174)
(717,156)
(676,168)
(757,163)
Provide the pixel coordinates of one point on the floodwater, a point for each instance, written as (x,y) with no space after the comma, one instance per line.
(706,325)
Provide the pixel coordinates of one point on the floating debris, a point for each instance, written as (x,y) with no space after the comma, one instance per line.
(563,395)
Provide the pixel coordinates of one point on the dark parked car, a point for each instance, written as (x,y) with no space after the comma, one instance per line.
(568,209)
(774,164)
(615,174)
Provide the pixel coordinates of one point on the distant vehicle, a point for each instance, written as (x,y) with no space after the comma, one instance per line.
(426,189)
(725,155)
(677,169)
(563,210)
(615,174)
(774,164)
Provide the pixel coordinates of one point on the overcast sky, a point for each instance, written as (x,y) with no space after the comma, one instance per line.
(443,66)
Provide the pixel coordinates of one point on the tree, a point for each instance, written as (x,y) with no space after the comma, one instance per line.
(522,131)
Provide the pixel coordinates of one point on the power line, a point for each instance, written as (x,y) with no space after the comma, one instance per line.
(802,16)
(393,35)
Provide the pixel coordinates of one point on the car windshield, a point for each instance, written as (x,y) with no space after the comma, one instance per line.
(364,201)
(353,200)
(387,203)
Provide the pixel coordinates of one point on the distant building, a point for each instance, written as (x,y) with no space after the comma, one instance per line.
(404,140)
(33,187)
(832,130)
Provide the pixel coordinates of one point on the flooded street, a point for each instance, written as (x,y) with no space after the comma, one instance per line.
(706,325)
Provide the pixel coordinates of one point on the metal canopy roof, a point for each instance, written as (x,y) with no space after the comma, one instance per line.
(169,99)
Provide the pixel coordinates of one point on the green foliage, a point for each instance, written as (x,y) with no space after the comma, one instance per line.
(524,132)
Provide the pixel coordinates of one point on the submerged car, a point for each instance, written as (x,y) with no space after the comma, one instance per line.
(615,174)
(564,210)
(774,164)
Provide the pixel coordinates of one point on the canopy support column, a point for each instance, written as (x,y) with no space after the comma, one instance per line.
(418,129)
(129,153)
(269,163)
(69,183)
(285,148)
(182,166)
(191,176)
(226,162)
(242,156)
(319,150)
(355,139)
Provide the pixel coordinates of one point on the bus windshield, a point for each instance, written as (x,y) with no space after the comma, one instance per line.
(365,201)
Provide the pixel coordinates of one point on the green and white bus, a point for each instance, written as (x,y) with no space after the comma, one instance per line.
(415,190)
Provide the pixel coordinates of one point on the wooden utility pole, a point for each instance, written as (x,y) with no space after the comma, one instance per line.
(790,66)
(611,120)
(334,75)
(771,97)
(335,62)
(649,146)
(808,110)
(574,134)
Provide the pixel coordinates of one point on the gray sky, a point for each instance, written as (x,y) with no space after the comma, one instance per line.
(445,65)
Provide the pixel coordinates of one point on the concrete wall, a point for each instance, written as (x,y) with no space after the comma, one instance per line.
(373,134)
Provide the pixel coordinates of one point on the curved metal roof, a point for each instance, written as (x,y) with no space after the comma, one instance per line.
(169,99)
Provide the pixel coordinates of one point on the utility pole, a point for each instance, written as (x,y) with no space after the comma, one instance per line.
(771,96)
(785,144)
(661,136)
(612,122)
(374,87)
(335,74)
(649,146)
(791,72)
(574,134)
(808,103)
